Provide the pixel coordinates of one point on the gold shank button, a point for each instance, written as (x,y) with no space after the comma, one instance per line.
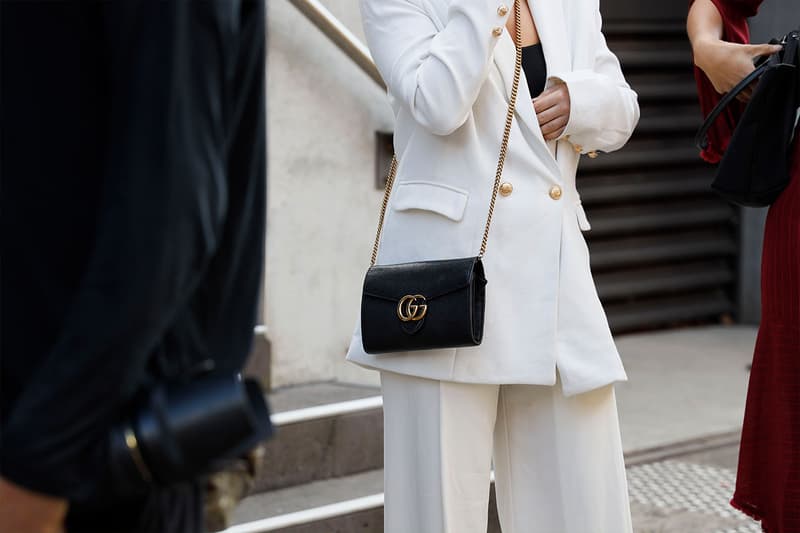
(592,154)
(497,31)
(556,192)
(506,189)
(502,10)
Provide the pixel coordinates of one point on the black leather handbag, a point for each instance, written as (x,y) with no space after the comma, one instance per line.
(431,304)
(756,166)
(184,430)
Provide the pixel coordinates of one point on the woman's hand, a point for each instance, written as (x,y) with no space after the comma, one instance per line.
(726,64)
(552,109)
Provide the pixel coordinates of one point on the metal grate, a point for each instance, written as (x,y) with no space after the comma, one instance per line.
(677,486)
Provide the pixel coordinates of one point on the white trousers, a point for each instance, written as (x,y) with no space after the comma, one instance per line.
(558,460)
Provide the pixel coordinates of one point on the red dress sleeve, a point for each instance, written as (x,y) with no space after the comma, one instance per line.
(734,18)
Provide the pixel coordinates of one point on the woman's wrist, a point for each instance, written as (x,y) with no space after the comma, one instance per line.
(704,50)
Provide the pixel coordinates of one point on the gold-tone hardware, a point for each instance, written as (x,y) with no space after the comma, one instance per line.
(136,454)
(578,148)
(497,31)
(386,193)
(506,189)
(502,10)
(409,310)
(593,154)
(503,147)
(556,192)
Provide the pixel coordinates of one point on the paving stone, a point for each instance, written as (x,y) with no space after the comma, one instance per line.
(652,519)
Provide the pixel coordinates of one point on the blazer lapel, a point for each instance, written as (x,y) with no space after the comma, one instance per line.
(550,24)
(505,58)
(549,18)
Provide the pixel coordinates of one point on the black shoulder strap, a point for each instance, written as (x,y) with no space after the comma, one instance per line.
(701,139)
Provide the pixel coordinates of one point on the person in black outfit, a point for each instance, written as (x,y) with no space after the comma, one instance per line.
(133,199)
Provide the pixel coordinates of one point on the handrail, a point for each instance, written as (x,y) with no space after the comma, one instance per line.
(342,37)
(330,410)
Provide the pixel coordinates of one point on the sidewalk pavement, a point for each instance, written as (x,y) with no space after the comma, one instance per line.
(684,385)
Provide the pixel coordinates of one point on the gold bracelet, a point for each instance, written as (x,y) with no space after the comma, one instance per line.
(136,454)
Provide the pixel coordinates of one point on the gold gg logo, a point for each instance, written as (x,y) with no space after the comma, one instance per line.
(412,308)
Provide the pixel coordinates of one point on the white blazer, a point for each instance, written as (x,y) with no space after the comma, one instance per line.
(449,66)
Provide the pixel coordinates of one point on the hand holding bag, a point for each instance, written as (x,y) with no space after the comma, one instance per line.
(431,304)
(755,168)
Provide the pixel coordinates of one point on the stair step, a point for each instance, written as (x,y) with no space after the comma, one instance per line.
(638,186)
(324,430)
(644,30)
(634,157)
(315,394)
(661,217)
(674,278)
(656,91)
(679,121)
(332,499)
(677,246)
(655,59)
(668,311)
(343,505)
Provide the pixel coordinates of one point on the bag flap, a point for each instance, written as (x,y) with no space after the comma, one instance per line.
(430,279)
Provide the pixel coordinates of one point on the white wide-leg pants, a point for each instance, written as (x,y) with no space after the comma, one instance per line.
(558,460)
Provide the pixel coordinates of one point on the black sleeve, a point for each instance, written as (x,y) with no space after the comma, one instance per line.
(163,217)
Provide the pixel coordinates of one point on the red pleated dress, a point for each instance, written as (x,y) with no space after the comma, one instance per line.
(768,480)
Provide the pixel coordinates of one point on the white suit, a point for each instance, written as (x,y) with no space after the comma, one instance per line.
(449,66)
(558,457)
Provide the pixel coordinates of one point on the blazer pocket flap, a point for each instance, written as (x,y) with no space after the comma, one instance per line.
(446,200)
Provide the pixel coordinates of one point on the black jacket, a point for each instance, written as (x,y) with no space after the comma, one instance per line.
(133,198)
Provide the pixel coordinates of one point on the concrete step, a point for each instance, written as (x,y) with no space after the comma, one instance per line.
(679,120)
(346,505)
(664,216)
(324,430)
(640,30)
(653,91)
(655,58)
(351,503)
(644,185)
(643,154)
(663,280)
(677,247)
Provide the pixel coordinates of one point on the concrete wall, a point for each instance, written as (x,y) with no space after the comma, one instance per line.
(323,205)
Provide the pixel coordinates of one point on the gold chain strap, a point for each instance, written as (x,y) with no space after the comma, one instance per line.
(500,161)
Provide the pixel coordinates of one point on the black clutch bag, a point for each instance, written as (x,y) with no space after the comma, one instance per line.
(185,430)
(431,304)
(423,305)
(756,166)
